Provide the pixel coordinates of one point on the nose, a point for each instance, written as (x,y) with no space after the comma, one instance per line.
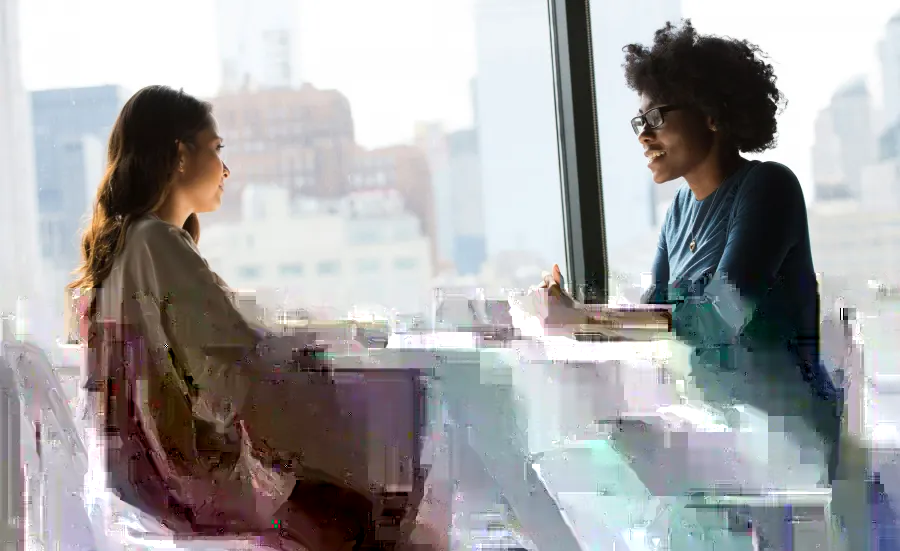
(226,172)
(646,135)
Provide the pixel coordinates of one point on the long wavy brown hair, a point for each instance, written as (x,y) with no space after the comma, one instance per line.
(141,162)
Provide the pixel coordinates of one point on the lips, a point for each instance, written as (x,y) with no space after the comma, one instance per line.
(653,155)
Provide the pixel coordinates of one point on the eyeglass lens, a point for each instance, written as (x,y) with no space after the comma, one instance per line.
(652,117)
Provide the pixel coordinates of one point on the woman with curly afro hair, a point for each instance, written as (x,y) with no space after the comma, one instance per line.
(733,256)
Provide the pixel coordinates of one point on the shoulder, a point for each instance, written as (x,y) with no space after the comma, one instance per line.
(770,188)
(764,178)
(152,233)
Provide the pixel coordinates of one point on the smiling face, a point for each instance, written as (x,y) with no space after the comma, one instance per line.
(681,144)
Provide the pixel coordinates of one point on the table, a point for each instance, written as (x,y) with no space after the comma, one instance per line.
(525,402)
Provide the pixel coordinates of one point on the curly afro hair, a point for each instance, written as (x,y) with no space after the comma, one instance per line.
(724,78)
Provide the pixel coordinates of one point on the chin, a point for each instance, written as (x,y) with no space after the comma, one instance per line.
(662,177)
(211,207)
(659,178)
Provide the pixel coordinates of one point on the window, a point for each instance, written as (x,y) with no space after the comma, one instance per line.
(50,200)
(375,112)
(329,267)
(365,236)
(248,273)
(290,270)
(368,265)
(405,264)
(840,102)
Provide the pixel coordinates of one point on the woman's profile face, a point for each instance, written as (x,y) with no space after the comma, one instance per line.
(202,182)
(679,145)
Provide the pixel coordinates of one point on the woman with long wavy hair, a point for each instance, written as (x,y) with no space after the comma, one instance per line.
(181,383)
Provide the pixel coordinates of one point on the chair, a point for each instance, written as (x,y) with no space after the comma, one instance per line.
(68,505)
(59,462)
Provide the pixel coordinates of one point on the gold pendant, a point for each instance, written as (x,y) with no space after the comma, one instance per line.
(693,245)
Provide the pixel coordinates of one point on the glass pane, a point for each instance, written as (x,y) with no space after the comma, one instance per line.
(378,149)
(838,132)
(629,195)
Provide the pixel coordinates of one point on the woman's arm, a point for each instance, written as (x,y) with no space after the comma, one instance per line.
(769,220)
(658,293)
(178,293)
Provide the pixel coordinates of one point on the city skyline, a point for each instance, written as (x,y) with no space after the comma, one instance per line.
(505,170)
(366,67)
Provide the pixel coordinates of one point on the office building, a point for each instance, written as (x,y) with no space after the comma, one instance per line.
(299,139)
(889,50)
(258,44)
(455,166)
(466,202)
(71,131)
(362,249)
(844,143)
(404,169)
(431,139)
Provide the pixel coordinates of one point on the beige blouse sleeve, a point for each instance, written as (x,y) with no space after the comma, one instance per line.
(199,326)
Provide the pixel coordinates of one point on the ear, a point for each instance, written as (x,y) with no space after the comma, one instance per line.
(182,157)
(711,124)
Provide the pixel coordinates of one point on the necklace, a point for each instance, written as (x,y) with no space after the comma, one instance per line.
(693,244)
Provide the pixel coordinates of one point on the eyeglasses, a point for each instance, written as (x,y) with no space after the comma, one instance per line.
(653,118)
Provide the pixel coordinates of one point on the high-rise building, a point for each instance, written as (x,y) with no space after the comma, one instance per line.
(298,139)
(258,44)
(455,165)
(71,130)
(402,168)
(828,175)
(889,51)
(20,267)
(466,202)
(844,143)
(431,139)
(365,248)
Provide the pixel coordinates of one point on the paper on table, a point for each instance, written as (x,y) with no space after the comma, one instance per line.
(530,311)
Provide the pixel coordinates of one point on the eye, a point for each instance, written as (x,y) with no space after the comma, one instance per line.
(220,147)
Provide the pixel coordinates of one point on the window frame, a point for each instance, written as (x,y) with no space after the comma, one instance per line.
(579,150)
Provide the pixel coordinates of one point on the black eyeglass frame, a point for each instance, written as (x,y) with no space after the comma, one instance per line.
(640,122)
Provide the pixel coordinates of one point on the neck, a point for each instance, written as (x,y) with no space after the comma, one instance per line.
(708,176)
(173,213)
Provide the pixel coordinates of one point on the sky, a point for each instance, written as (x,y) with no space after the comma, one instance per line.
(403,61)
(398,61)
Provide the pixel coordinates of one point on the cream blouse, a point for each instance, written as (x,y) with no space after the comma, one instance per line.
(199,359)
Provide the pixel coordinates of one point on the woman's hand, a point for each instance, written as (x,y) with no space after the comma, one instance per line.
(301,350)
(562,308)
